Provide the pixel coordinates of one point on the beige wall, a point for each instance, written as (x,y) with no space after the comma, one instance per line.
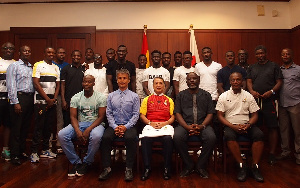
(157,15)
(295,13)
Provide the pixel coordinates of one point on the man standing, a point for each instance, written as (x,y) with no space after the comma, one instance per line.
(99,73)
(224,73)
(89,59)
(234,107)
(60,62)
(207,70)
(142,61)
(20,93)
(156,70)
(71,79)
(180,73)
(8,50)
(110,55)
(166,60)
(46,78)
(289,105)
(157,113)
(194,112)
(264,80)
(87,115)
(178,59)
(243,59)
(120,63)
(122,114)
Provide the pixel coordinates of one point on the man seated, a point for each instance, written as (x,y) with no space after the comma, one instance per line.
(87,111)
(233,109)
(122,114)
(157,112)
(194,111)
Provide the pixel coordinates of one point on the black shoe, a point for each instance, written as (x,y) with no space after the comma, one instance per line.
(282,156)
(167,174)
(24,156)
(272,159)
(146,174)
(82,169)
(15,161)
(104,175)
(186,172)
(73,171)
(128,174)
(256,174)
(202,172)
(242,173)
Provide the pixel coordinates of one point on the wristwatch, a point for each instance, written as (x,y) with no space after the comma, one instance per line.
(273,92)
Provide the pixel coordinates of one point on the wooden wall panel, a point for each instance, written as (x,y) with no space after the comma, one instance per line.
(178,42)
(295,43)
(37,46)
(227,42)
(249,41)
(275,42)
(133,40)
(71,44)
(157,40)
(206,38)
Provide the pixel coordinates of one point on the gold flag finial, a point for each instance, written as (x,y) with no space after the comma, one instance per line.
(191,27)
(145,28)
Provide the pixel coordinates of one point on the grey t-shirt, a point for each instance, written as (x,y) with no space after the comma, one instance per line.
(87,108)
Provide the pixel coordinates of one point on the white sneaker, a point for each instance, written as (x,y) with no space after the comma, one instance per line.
(34,158)
(48,154)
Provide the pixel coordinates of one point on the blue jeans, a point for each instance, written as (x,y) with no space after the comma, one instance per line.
(68,133)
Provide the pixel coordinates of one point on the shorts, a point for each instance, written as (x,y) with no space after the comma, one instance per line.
(267,114)
(254,134)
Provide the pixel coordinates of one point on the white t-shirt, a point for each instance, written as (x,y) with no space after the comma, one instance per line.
(237,107)
(150,73)
(208,77)
(180,76)
(100,79)
(139,83)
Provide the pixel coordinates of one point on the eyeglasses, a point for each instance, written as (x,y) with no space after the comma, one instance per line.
(8,48)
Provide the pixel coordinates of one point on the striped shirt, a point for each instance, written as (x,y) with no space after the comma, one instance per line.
(19,78)
(3,68)
(48,75)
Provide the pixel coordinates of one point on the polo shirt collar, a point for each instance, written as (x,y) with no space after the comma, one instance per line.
(293,65)
(159,94)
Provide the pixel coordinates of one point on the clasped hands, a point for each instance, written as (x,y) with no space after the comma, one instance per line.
(194,129)
(266,95)
(83,136)
(158,125)
(242,128)
(120,130)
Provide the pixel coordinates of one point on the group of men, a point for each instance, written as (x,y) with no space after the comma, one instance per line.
(83,96)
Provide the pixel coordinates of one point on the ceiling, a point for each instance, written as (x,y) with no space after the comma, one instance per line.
(69,1)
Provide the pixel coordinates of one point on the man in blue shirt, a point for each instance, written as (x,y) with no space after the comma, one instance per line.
(60,62)
(20,93)
(224,73)
(122,114)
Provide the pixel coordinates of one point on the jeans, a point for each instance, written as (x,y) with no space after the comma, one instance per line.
(67,134)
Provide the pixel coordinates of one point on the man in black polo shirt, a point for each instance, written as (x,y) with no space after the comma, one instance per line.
(71,79)
(120,63)
(224,73)
(194,110)
(264,80)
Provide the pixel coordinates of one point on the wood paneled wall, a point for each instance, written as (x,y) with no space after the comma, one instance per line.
(220,41)
(172,40)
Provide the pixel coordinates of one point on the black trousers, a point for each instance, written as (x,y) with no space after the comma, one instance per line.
(208,138)
(20,123)
(167,150)
(45,119)
(66,115)
(130,138)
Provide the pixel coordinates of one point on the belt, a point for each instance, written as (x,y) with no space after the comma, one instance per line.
(24,93)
